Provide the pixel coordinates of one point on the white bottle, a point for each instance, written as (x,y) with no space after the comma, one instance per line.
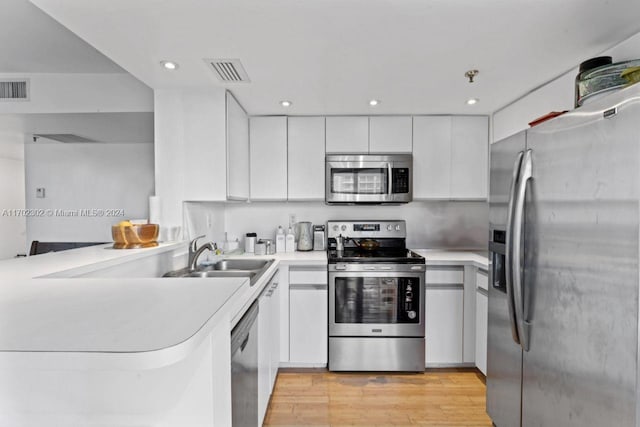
(280,240)
(290,241)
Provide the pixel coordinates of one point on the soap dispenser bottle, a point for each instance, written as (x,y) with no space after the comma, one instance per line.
(280,240)
(290,240)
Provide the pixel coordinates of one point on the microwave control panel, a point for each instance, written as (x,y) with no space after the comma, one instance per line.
(400,180)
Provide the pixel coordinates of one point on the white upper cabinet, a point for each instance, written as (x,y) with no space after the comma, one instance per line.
(237,150)
(347,134)
(391,134)
(469,157)
(450,157)
(431,157)
(268,155)
(306,158)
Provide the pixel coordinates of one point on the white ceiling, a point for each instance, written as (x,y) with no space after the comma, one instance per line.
(32,42)
(332,56)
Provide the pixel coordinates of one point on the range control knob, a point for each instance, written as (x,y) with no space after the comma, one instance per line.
(398,227)
(343,228)
(411,314)
(335,228)
(389,227)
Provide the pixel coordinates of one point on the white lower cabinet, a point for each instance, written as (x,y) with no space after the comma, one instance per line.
(308,329)
(482,320)
(443,329)
(481,330)
(268,344)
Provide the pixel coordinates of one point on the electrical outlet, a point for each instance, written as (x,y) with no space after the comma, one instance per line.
(292,220)
(40,193)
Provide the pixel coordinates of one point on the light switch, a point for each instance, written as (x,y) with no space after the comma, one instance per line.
(40,193)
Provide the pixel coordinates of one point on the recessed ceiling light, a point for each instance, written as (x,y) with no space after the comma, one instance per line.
(374,102)
(286,103)
(472,101)
(169,65)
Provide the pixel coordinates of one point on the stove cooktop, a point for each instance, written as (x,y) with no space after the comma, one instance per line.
(386,255)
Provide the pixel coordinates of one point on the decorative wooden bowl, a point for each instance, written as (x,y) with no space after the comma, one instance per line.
(133,236)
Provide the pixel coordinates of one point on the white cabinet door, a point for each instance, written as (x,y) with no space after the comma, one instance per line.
(469,317)
(443,328)
(431,157)
(347,134)
(306,158)
(481,330)
(469,157)
(308,327)
(268,154)
(391,134)
(237,150)
(264,354)
(274,332)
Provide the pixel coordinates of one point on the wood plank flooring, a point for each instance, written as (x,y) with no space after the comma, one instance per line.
(322,398)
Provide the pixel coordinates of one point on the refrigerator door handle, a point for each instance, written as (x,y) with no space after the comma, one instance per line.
(509,248)
(516,260)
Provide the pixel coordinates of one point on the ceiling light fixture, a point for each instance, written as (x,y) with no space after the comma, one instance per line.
(471,74)
(472,101)
(169,65)
(374,102)
(286,103)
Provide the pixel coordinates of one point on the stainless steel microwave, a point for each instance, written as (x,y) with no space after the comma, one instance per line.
(369,178)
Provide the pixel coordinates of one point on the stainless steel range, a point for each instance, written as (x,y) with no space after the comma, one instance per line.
(376,298)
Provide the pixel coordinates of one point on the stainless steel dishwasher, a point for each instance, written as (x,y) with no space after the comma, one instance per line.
(244,370)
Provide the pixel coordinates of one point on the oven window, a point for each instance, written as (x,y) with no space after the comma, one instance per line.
(366,300)
(359,180)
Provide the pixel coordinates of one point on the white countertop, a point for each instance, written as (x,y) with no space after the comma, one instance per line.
(302,258)
(91,257)
(108,315)
(452,257)
(131,315)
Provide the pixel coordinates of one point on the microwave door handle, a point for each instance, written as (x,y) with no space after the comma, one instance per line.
(389,180)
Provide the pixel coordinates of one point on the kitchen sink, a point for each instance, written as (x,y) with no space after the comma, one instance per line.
(218,273)
(241,264)
(251,268)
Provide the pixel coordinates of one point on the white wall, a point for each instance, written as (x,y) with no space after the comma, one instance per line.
(190,149)
(76,93)
(86,176)
(557,95)
(12,228)
(437,224)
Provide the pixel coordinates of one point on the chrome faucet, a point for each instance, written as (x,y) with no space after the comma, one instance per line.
(195,251)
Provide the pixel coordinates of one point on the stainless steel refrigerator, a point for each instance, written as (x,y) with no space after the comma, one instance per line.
(563,295)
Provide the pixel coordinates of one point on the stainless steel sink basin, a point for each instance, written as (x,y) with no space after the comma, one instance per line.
(251,268)
(241,264)
(218,273)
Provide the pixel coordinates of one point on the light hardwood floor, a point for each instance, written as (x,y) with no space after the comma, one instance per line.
(322,398)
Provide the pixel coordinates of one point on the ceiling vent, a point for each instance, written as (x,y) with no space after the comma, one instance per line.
(14,90)
(62,137)
(228,70)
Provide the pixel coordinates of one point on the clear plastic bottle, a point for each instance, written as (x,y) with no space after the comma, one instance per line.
(290,241)
(280,240)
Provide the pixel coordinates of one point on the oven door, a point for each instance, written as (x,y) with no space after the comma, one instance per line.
(376,304)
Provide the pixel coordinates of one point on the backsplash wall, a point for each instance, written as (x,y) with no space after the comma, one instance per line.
(430,224)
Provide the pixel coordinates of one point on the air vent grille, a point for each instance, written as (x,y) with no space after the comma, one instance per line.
(228,70)
(14,90)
